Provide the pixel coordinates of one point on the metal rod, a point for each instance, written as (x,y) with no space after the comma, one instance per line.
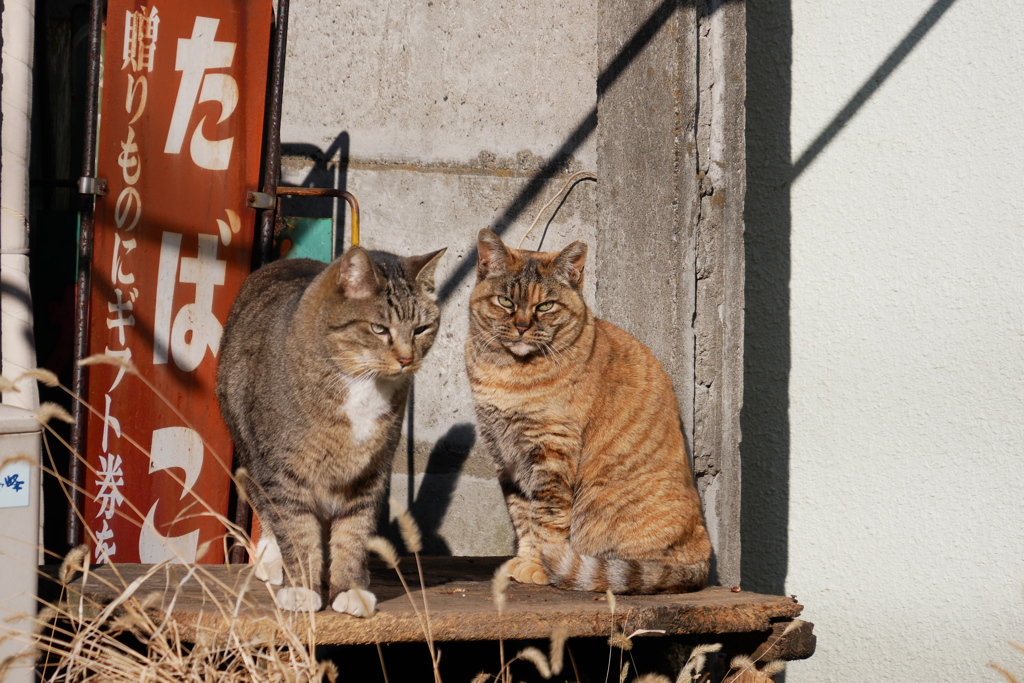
(79,378)
(272,152)
(353,203)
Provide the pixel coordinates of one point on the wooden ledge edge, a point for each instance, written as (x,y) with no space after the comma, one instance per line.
(789,640)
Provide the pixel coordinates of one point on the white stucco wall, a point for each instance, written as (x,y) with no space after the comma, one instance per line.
(905,534)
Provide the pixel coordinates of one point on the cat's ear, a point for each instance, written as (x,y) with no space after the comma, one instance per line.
(357,276)
(422,268)
(493,255)
(568,264)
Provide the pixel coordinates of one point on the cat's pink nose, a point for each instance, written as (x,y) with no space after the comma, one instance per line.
(404,362)
(522,327)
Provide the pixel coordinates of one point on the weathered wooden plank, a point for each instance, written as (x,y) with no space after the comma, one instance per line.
(217,599)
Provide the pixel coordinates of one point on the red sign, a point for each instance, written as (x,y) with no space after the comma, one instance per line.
(180,136)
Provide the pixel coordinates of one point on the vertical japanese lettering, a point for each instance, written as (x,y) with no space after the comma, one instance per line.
(195,56)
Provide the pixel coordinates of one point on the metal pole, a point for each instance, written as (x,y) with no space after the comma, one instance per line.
(272,152)
(79,379)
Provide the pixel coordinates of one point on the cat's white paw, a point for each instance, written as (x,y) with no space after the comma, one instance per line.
(269,566)
(298,600)
(357,602)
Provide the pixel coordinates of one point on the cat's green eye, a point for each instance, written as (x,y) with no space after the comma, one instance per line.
(378,329)
(505,301)
(546,306)
(421,329)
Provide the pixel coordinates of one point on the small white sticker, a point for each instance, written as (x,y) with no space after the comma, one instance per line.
(14,485)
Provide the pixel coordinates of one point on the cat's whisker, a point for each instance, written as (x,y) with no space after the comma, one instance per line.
(484,344)
(544,353)
(554,355)
(555,352)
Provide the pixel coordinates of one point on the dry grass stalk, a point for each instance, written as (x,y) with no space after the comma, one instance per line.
(81,640)
(695,663)
(78,649)
(410,531)
(743,665)
(499,585)
(73,562)
(537,658)
(527,654)
(557,650)
(129,367)
(7,385)
(383,548)
(620,641)
(40,375)
(413,540)
(107,359)
(50,411)
(652,678)
(749,665)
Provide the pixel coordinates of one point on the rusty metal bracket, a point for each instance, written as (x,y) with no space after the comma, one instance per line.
(94,186)
(260,200)
(353,204)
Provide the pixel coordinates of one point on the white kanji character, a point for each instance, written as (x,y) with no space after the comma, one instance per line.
(117,274)
(194,328)
(195,56)
(109,494)
(104,549)
(125,354)
(109,422)
(128,159)
(119,321)
(140,34)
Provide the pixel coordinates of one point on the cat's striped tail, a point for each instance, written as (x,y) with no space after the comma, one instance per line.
(568,569)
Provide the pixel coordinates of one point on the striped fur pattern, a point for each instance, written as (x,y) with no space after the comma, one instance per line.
(315,365)
(584,428)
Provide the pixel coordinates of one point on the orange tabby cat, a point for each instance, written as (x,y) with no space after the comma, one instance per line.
(584,428)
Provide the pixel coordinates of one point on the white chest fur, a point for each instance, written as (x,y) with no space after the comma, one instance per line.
(367,400)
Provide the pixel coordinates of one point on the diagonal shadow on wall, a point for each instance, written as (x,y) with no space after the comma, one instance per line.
(586,127)
(765,449)
(323,175)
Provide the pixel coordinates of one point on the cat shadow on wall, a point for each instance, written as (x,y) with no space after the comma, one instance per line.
(434,495)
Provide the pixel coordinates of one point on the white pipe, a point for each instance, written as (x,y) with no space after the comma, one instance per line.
(19,431)
(18,340)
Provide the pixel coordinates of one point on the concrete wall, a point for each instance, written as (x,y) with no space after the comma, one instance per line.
(883,431)
(447,116)
(439,116)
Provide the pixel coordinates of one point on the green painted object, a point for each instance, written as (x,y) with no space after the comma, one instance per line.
(305,238)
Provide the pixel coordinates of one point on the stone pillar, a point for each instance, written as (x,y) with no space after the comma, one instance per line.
(669,249)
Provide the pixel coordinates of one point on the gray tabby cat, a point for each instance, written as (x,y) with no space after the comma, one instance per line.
(315,366)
